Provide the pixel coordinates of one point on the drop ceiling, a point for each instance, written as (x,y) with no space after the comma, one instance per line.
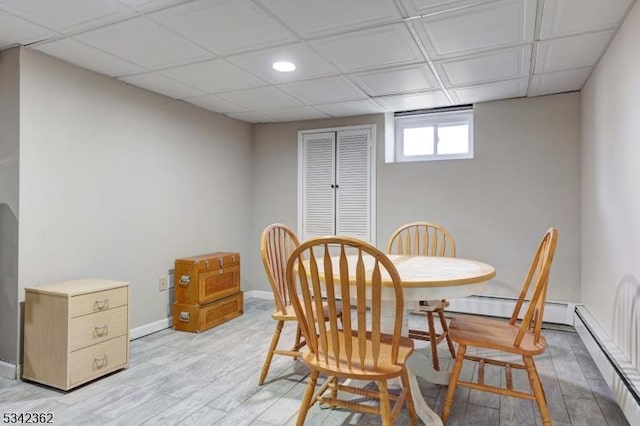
(353,57)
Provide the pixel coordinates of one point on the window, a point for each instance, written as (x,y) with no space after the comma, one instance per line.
(439,135)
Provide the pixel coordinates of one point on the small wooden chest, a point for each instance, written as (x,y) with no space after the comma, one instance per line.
(196,318)
(208,277)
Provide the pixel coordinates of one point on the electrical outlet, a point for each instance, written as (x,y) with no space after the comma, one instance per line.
(163,284)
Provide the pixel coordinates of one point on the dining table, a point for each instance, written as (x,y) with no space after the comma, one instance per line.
(424,278)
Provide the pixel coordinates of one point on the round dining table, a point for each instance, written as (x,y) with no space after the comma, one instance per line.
(425,278)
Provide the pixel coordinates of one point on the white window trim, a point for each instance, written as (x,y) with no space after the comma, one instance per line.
(372,129)
(437,119)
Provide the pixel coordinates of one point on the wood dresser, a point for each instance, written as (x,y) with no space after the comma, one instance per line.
(207,289)
(75,331)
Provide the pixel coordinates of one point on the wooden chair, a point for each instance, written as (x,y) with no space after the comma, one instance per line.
(276,244)
(357,350)
(523,339)
(427,239)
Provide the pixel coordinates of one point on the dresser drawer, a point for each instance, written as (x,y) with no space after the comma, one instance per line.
(97,302)
(88,330)
(97,360)
(215,285)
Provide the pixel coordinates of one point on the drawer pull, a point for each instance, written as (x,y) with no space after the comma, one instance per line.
(185,316)
(101,304)
(100,362)
(102,330)
(220,262)
(233,259)
(185,280)
(206,264)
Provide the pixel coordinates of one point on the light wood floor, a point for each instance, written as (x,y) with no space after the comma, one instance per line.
(211,379)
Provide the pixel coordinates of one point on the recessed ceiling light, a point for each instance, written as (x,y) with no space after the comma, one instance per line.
(284,66)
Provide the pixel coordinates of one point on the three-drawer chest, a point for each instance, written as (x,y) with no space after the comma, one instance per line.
(75,331)
(207,290)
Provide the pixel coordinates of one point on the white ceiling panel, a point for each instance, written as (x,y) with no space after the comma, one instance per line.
(261,98)
(422,7)
(565,17)
(67,15)
(149,5)
(88,57)
(312,18)
(502,64)
(324,91)
(14,30)
(252,117)
(225,27)
(487,26)
(492,91)
(144,43)
(389,45)
(558,82)
(410,78)
(295,114)
(414,101)
(571,52)
(345,109)
(308,63)
(227,76)
(215,103)
(161,84)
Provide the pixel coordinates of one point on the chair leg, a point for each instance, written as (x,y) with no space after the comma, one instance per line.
(538,391)
(409,398)
(272,348)
(433,338)
(385,406)
(298,339)
(453,382)
(445,330)
(308,396)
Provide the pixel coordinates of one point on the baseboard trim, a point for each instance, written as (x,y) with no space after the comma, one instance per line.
(144,330)
(502,307)
(621,376)
(258,294)
(10,371)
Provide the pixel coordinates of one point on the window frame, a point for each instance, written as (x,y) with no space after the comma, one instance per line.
(435,120)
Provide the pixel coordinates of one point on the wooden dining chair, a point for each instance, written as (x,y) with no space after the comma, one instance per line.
(524,339)
(359,349)
(276,244)
(427,239)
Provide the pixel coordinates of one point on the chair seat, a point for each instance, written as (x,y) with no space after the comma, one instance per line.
(290,315)
(493,334)
(384,370)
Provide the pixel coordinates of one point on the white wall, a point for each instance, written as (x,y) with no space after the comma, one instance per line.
(525,177)
(611,190)
(9,154)
(117,182)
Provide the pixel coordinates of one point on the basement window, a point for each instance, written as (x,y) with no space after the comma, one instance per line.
(442,134)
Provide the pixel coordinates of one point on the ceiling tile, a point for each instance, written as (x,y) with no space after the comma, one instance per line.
(565,17)
(88,57)
(422,7)
(558,82)
(414,101)
(324,91)
(346,109)
(214,76)
(571,52)
(491,91)
(502,64)
(215,103)
(225,27)
(252,117)
(149,5)
(483,27)
(390,45)
(295,114)
(312,18)
(67,15)
(261,98)
(162,84)
(144,43)
(410,78)
(308,63)
(15,30)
